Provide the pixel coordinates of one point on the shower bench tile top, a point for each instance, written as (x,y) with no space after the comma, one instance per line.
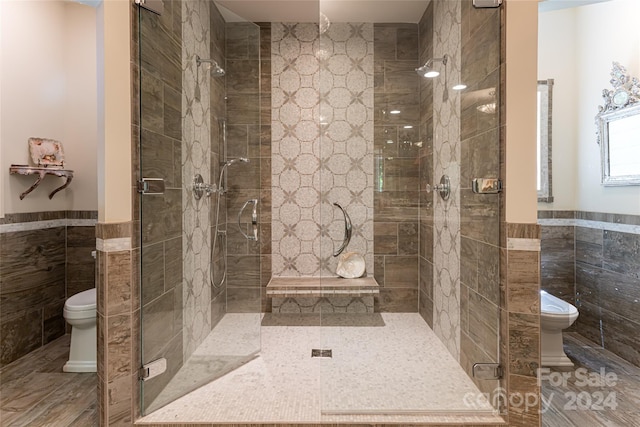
(321,286)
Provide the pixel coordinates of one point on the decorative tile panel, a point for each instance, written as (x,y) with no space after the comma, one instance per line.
(196,148)
(322,145)
(446,161)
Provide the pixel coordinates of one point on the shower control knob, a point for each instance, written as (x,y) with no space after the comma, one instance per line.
(200,187)
(444,188)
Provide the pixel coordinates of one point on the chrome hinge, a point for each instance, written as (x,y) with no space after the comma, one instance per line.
(481,4)
(487,371)
(155,6)
(486,185)
(151,186)
(153,369)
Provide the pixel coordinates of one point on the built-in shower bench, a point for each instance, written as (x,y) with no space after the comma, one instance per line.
(326,294)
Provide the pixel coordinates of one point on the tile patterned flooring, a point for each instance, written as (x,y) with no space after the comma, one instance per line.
(587,398)
(387,367)
(284,384)
(35,392)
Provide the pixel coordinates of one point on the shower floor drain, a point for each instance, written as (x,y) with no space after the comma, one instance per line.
(320,353)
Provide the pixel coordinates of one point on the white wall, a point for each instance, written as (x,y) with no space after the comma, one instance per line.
(114,111)
(602,33)
(521,47)
(49,90)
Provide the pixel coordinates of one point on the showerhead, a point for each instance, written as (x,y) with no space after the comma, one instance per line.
(427,69)
(236,160)
(222,185)
(216,70)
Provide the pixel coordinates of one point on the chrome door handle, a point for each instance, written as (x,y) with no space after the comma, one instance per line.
(254,219)
(347,231)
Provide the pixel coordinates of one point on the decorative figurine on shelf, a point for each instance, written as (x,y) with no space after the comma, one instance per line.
(48,157)
(46,152)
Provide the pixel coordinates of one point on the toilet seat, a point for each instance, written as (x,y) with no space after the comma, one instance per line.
(82,301)
(81,306)
(553,306)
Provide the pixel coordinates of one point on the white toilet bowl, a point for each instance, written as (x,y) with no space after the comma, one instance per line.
(555,315)
(80,313)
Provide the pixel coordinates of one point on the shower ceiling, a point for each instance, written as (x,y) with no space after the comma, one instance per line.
(409,11)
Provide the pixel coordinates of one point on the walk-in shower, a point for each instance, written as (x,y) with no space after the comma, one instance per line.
(248,286)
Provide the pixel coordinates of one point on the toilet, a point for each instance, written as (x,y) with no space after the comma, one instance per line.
(80,313)
(555,315)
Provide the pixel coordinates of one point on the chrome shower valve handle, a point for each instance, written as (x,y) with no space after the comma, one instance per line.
(200,187)
(444,188)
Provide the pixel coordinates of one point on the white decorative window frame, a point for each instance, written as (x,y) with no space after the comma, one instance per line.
(545,110)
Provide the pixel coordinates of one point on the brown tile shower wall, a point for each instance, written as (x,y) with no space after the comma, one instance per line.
(425,30)
(243,51)
(161,151)
(396,167)
(39,269)
(479,217)
(599,274)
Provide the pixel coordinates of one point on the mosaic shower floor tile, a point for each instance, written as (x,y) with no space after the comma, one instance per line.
(397,372)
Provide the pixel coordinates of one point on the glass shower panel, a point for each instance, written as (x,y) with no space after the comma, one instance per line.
(387,136)
(200,262)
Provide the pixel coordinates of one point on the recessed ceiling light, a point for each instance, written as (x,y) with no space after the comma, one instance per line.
(460,86)
(408,127)
(394,112)
(389,141)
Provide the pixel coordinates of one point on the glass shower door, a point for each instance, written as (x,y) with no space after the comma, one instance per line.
(200,281)
(392,143)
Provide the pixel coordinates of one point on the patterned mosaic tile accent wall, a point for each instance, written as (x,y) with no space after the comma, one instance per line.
(218,111)
(325,79)
(196,147)
(425,48)
(446,161)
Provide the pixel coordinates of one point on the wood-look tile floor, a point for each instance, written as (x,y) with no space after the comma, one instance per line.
(587,398)
(35,392)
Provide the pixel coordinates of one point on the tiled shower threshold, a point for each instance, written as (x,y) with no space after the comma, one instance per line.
(385,368)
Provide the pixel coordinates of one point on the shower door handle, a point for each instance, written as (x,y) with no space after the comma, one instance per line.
(254,219)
